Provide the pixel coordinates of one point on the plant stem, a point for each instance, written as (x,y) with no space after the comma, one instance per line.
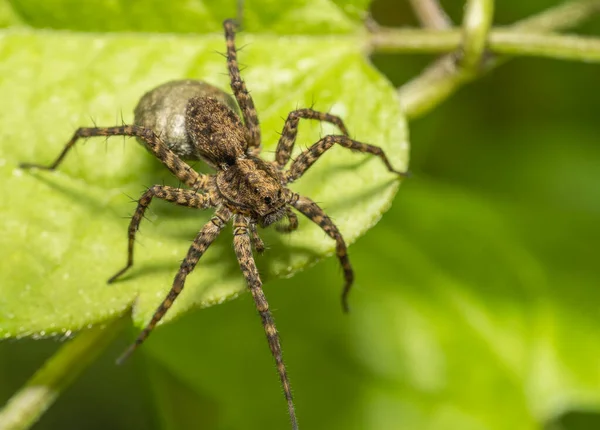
(430,14)
(547,45)
(567,15)
(26,406)
(509,42)
(476,26)
(445,76)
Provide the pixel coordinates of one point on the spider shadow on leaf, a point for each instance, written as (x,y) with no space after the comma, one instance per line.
(82,199)
(360,198)
(167,224)
(219,254)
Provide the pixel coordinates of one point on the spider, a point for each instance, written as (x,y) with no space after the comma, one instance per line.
(245,189)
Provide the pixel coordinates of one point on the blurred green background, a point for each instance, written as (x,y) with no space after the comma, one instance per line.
(477,303)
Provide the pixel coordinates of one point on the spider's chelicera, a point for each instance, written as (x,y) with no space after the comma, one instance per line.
(245,189)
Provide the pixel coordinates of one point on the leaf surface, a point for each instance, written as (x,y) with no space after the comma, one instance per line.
(64,233)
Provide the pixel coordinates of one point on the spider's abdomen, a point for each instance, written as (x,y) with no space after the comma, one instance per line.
(163,110)
(216,132)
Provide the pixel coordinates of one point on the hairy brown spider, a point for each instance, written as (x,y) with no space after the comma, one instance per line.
(246,189)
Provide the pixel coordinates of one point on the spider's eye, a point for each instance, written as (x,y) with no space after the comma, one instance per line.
(267,200)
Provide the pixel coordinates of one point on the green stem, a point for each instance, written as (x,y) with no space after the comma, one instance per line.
(476,26)
(547,45)
(444,77)
(27,405)
(430,14)
(503,42)
(414,40)
(567,15)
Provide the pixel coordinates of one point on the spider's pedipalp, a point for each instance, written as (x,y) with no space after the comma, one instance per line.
(243,251)
(205,237)
(188,198)
(292,224)
(312,154)
(290,131)
(257,242)
(312,211)
(178,167)
(240,92)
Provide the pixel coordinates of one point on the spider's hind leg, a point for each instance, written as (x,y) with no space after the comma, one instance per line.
(188,198)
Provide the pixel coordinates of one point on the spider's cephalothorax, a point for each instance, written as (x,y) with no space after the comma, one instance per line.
(193,120)
(254,188)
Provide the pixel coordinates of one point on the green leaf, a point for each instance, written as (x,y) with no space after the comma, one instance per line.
(180,16)
(63,234)
(8,17)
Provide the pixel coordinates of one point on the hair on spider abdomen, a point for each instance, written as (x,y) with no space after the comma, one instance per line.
(193,120)
(163,110)
(216,132)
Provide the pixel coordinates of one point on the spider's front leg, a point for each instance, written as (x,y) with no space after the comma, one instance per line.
(179,168)
(238,86)
(312,211)
(243,251)
(290,131)
(207,235)
(188,198)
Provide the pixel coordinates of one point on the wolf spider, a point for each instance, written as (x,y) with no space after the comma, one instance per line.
(246,189)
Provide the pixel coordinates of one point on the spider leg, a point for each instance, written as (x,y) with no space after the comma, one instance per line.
(178,196)
(290,130)
(292,224)
(179,168)
(312,211)
(207,235)
(243,251)
(308,157)
(240,92)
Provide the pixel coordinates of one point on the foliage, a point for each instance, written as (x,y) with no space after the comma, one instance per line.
(476,303)
(66,231)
